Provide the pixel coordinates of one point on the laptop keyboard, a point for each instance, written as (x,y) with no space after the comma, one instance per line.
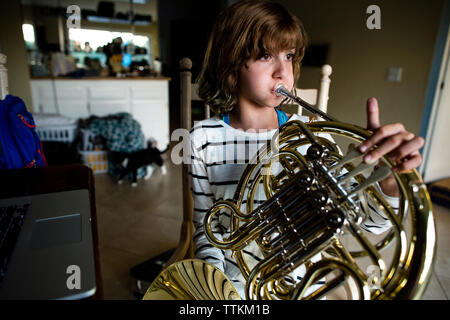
(11,221)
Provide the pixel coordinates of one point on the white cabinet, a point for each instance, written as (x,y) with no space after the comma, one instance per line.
(71,98)
(107,97)
(73,108)
(43,96)
(47,106)
(147,112)
(146,100)
(102,108)
(109,90)
(70,89)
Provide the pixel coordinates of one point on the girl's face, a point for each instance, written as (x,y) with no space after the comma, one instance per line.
(260,77)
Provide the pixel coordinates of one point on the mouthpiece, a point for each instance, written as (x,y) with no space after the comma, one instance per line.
(280,88)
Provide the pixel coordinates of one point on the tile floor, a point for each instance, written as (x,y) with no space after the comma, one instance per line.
(135,224)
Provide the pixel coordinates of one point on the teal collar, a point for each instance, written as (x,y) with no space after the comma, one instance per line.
(282,117)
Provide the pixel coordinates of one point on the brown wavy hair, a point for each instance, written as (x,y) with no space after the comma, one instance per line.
(245,30)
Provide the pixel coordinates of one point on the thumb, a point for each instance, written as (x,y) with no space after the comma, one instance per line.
(373,115)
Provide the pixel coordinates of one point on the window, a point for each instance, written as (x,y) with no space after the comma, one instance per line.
(89,42)
(28,36)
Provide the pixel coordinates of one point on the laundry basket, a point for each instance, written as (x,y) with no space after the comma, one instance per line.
(97,160)
(64,133)
(54,127)
(92,153)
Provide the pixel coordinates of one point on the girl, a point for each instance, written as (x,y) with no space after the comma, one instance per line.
(255,46)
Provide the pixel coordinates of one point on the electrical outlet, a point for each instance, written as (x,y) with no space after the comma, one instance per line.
(394,74)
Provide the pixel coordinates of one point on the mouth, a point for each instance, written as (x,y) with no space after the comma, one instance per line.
(274,90)
(277,86)
(275,95)
(281,90)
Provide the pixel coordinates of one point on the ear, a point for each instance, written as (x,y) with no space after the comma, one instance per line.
(151,143)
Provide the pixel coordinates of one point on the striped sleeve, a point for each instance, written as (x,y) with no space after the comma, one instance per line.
(376,221)
(203,200)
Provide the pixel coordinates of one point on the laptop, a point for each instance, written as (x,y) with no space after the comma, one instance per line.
(53,255)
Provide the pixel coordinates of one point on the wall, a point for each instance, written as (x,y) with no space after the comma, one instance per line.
(12,44)
(360,57)
(184,27)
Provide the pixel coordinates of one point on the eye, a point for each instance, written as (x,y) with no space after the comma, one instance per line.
(265,56)
(290,56)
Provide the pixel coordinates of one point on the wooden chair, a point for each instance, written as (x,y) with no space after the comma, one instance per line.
(188,93)
(185,248)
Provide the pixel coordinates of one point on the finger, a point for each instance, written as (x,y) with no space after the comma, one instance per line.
(409,164)
(373,114)
(407,148)
(387,146)
(382,133)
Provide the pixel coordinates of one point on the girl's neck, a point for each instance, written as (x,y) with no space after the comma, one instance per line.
(253,118)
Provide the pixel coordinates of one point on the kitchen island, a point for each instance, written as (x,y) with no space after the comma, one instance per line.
(146,98)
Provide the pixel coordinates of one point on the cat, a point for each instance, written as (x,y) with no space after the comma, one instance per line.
(131,162)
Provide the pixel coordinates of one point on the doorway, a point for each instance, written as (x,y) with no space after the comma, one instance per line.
(436,153)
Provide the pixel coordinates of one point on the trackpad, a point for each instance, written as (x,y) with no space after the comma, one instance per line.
(56,231)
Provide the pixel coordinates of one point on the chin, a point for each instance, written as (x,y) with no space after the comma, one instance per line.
(269,102)
(275,103)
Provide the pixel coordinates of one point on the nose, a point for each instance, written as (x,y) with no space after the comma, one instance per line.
(280,69)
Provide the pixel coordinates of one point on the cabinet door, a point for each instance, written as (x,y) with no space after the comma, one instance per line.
(150,90)
(109,91)
(73,108)
(42,94)
(72,98)
(102,108)
(67,89)
(46,106)
(153,115)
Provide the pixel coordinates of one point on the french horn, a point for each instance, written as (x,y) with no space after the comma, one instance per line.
(316,203)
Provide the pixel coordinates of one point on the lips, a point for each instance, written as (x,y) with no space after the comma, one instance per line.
(278,84)
(275,88)
(274,94)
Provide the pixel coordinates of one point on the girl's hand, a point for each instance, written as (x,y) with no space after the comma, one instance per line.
(393,140)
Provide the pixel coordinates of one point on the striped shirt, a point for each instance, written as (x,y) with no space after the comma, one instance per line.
(219,155)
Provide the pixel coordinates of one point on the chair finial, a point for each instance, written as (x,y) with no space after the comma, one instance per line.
(185,63)
(327,70)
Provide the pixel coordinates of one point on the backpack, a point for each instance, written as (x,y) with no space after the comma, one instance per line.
(20,146)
